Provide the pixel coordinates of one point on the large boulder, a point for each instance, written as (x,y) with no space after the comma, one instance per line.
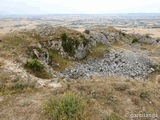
(149,40)
(80,52)
(100,38)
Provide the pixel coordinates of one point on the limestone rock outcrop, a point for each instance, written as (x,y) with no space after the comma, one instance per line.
(116,63)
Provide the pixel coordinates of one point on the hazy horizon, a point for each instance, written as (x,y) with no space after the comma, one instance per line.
(78,7)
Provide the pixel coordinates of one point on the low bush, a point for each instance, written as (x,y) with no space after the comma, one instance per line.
(64,37)
(158,39)
(134,40)
(34,65)
(87,31)
(124,34)
(65,107)
(68,46)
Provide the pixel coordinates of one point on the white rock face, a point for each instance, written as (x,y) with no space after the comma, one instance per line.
(100,38)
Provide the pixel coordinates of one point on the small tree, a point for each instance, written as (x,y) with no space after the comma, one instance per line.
(68,46)
(64,37)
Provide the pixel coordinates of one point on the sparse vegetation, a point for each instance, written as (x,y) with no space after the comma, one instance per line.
(20,25)
(42,25)
(158,39)
(144,95)
(134,40)
(1,63)
(156,68)
(65,107)
(136,101)
(64,37)
(121,86)
(122,33)
(113,116)
(97,51)
(56,58)
(87,31)
(106,98)
(34,65)
(68,46)
(16,87)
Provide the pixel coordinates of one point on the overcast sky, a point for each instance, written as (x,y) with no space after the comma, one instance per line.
(78,6)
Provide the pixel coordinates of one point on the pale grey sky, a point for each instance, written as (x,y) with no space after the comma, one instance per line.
(78,6)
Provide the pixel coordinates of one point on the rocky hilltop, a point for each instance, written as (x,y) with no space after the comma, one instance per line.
(113,62)
(109,72)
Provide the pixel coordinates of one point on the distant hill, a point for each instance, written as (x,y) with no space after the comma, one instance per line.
(143,14)
(4,12)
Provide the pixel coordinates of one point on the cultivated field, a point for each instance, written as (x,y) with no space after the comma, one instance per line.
(142,25)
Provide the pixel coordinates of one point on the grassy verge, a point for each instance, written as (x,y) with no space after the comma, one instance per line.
(56,58)
(17,87)
(99,50)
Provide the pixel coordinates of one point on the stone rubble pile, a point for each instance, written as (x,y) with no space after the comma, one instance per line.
(114,63)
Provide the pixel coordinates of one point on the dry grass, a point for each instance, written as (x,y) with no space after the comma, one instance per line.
(110,28)
(16,87)
(97,51)
(63,63)
(106,97)
(14,44)
(1,63)
(112,95)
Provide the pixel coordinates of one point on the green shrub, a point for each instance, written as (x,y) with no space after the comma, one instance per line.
(65,107)
(87,31)
(85,42)
(76,42)
(64,37)
(134,40)
(123,34)
(158,39)
(52,53)
(82,36)
(34,65)
(37,69)
(68,46)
